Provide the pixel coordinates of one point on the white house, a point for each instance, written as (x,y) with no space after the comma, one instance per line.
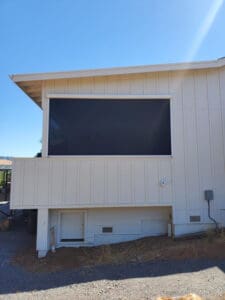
(126,151)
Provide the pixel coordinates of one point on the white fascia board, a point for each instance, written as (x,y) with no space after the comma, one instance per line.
(107,96)
(119,71)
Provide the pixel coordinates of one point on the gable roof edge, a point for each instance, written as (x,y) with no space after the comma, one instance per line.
(119,71)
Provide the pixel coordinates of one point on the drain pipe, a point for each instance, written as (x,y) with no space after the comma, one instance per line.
(211,218)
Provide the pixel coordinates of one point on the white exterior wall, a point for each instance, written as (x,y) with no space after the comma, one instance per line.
(128,224)
(42,243)
(197,162)
(90,182)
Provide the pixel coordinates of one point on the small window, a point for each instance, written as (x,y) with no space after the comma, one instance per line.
(107,229)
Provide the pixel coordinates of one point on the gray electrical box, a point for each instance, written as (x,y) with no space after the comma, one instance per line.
(209,195)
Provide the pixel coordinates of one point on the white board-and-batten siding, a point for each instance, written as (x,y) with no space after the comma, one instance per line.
(197,162)
(127,223)
(85,182)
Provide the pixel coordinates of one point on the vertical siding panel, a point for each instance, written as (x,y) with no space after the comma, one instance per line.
(106,181)
(165,173)
(42,182)
(99,85)
(89,85)
(112,181)
(222,100)
(190,141)
(178,149)
(125,182)
(71,177)
(138,181)
(82,86)
(98,182)
(162,83)
(203,136)
(18,182)
(50,163)
(123,85)
(137,84)
(216,137)
(152,181)
(150,84)
(73,86)
(111,86)
(56,182)
(84,182)
(77,199)
(12,191)
(50,86)
(14,196)
(29,182)
(60,86)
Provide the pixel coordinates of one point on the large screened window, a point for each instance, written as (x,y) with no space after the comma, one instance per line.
(109,127)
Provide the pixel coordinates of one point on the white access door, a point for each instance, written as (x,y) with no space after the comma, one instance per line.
(71,226)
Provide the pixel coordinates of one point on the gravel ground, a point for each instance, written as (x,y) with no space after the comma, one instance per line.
(130,281)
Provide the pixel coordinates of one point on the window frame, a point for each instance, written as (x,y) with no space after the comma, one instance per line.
(46,118)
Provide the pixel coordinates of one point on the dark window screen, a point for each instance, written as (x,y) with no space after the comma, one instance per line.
(109,127)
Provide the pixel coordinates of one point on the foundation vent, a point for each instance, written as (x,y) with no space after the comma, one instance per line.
(107,229)
(195,218)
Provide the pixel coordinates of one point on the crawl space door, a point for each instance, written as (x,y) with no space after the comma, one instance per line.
(72,227)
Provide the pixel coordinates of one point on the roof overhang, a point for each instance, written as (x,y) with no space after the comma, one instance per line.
(31,84)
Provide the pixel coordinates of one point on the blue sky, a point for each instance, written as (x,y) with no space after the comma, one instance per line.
(55,35)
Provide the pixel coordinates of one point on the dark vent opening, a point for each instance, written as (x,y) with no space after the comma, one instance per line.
(107,229)
(72,240)
(195,218)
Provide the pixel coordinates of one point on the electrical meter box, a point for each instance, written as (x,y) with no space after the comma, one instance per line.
(209,195)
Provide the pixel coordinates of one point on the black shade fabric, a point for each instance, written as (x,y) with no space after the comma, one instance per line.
(109,127)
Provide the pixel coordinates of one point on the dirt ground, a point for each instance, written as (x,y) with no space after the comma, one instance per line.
(143,269)
(139,251)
